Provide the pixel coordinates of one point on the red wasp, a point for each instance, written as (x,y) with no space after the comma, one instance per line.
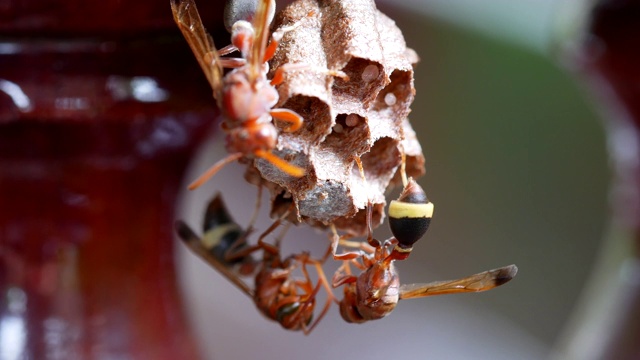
(245,95)
(375,292)
(279,295)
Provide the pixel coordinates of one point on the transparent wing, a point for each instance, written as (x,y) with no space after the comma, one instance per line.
(186,16)
(261,23)
(194,242)
(478,282)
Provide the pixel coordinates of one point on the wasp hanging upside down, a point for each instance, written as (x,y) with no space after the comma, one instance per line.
(277,293)
(375,292)
(245,95)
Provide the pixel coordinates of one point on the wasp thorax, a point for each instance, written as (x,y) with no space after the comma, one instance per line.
(410,215)
(243,101)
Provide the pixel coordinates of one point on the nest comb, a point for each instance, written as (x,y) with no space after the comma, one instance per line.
(364,116)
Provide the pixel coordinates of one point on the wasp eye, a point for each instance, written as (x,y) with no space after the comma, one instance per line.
(410,215)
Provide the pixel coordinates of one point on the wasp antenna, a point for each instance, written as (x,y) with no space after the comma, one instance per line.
(213,170)
(281,164)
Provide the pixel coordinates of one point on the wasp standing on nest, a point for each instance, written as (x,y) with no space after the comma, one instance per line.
(245,95)
(277,293)
(375,292)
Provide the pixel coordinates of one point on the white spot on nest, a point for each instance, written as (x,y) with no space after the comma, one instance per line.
(352,120)
(390,99)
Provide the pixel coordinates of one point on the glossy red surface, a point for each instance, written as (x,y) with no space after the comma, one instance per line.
(614,31)
(78,18)
(612,62)
(612,51)
(94,138)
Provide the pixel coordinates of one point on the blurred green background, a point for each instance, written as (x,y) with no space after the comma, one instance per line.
(517,168)
(516,165)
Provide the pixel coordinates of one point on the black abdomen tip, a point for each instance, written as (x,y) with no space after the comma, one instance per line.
(408,230)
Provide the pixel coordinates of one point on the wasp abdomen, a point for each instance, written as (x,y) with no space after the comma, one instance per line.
(222,235)
(410,215)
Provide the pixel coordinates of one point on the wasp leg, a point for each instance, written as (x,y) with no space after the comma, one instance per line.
(281,164)
(213,170)
(288,116)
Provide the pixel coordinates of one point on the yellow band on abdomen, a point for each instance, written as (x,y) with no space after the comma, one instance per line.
(212,237)
(398,210)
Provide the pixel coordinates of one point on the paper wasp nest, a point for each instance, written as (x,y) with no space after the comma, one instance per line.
(364,116)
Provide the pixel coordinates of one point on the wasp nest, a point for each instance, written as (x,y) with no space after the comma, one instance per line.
(363,116)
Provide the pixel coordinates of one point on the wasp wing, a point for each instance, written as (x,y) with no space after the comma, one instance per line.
(194,242)
(483,281)
(261,23)
(186,16)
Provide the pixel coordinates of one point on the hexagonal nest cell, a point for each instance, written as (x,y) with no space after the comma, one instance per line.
(363,116)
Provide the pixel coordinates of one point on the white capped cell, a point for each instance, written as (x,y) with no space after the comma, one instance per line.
(390,99)
(370,73)
(352,120)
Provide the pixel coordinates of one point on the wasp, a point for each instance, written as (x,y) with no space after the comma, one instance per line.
(245,95)
(278,294)
(375,292)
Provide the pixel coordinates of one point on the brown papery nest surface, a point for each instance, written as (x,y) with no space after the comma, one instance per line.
(364,116)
